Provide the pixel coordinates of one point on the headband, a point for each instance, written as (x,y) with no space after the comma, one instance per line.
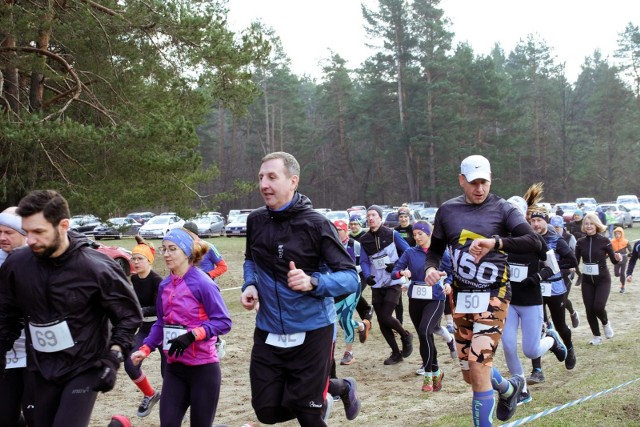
(145,250)
(425,227)
(182,239)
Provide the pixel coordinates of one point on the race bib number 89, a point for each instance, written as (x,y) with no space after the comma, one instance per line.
(421,291)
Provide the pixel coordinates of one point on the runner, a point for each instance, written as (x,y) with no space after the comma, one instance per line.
(71,295)
(191,314)
(567,273)
(380,248)
(472,225)
(593,250)
(426,303)
(623,247)
(145,283)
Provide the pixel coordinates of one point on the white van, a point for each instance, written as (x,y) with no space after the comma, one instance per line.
(630,201)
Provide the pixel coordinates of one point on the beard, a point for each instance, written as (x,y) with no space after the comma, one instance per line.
(47,251)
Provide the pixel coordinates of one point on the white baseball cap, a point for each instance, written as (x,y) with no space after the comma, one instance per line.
(476,167)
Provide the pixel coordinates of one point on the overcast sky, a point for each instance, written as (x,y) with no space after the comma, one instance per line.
(573,28)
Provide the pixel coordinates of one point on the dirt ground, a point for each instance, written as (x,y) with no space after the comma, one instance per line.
(390,395)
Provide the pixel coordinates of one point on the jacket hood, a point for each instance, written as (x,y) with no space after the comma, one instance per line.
(620,243)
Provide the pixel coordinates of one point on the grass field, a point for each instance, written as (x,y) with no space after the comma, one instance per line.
(391,396)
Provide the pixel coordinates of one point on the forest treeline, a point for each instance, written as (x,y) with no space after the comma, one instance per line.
(158,105)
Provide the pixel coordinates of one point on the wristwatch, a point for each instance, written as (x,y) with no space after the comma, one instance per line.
(497,239)
(314,283)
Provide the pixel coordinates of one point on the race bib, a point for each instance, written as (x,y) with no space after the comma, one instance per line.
(421,291)
(545,287)
(380,262)
(286,340)
(518,272)
(170,332)
(472,302)
(590,269)
(552,262)
(15,360)
(51,337)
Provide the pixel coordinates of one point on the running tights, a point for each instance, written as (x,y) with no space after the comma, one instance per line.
(425,316)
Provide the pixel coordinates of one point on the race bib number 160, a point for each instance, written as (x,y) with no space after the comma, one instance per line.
(472,302)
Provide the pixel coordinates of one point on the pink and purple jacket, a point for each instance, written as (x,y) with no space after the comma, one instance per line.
(191,302)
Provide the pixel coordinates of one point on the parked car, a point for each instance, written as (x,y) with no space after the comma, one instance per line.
(428,214)
(418,205)
(334,215)
(630,201)
(546,205)
(238,227)
(84,223)
(622,214)
(115,228)
(158,226)
(233,213)
(209,225)
(567,209)
(120,255)
(141,217)
(391,220)
(586,201)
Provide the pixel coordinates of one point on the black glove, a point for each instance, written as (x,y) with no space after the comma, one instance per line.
(181,343)
(108,374)
(389,268)
(545,273)
(532,280)
(371,281)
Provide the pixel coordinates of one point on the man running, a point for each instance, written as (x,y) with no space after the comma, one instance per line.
(480,228)
(79,311)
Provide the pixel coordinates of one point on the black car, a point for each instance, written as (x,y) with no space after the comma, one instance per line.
(84,223)
(115,228)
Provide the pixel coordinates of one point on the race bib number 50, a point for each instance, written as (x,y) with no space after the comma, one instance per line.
(472,302)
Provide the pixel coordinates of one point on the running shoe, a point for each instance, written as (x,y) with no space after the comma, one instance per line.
(507,405)
(575,319)
(608,330)
(570,361)
(364,334)
(596,340)
(420,371)
(407,344)
(147,404)
(525,397)
(347,359)
(337,398)
(450,328)
(352,403)
(622,290)
(536,377)
(558,348)
(393,359)
(427,384)
(326,408)
(452,349)
(437,381)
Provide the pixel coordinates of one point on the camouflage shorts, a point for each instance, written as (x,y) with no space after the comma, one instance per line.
(478,334)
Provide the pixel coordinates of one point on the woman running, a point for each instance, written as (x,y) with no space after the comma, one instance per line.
(592,250)
(145,283)
(191,313)
(426,303)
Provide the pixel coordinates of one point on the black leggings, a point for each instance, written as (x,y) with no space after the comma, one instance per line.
(186,386)
(595,293)
(68,404)
(558,313)
(16,398)
(425,315)
(566,276)
(620,270)
(385,301)
(135,371)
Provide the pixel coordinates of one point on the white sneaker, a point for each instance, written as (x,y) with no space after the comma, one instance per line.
(420,370)
(608,330)
(596,341)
